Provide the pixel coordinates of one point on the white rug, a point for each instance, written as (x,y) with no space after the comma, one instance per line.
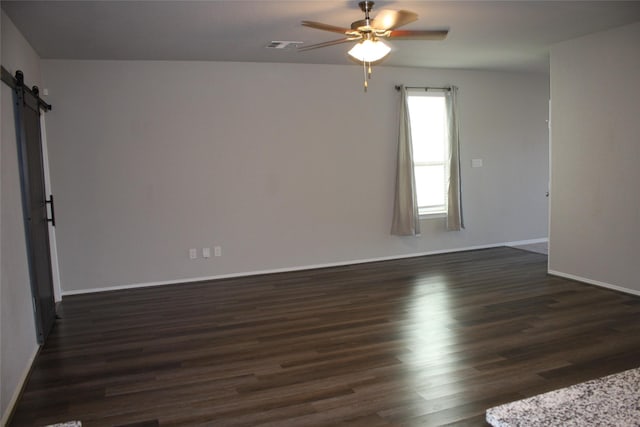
(612,401)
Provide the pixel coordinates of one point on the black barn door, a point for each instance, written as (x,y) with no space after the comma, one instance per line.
(35,204)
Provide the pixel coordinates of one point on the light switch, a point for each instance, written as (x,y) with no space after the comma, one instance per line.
(476,163)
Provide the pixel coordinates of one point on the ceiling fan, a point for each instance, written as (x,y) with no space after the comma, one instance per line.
(368,32)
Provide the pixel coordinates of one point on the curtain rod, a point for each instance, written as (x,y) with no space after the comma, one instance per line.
(426,88)
(18,81)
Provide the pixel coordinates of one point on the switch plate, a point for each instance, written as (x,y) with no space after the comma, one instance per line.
(193,253)
(476,163)
(206,252)
(217,251)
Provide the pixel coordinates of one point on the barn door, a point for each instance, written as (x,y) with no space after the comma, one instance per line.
(37,208)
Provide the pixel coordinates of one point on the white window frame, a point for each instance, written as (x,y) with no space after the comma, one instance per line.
(437,211)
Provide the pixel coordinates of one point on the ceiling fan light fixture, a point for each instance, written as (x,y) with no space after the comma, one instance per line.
(369,50)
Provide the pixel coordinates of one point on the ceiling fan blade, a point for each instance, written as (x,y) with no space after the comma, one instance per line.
(389,19)
(325,27)
(325,44)
(419,34)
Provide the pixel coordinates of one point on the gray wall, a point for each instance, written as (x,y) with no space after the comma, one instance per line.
(17,329)
(283,166)
(595,207)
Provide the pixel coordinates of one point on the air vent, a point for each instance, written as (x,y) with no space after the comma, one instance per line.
(283,45)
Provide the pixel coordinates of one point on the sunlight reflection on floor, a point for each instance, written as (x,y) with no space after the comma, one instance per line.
(431,344)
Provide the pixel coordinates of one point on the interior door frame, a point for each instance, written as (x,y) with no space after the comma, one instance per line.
(53,246)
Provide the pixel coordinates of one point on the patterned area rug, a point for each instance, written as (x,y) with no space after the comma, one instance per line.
(609,401)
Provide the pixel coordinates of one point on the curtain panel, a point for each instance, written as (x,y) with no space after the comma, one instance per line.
(455,220)
(406,219)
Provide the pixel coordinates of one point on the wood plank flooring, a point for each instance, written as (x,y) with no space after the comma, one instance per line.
(414,342)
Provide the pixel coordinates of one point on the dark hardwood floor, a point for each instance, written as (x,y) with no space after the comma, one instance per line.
(419,342)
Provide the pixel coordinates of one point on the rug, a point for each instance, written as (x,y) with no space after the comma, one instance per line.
(609,401)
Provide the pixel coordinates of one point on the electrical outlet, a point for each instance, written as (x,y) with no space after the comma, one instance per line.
(217,251)
(193,253)
(206,252)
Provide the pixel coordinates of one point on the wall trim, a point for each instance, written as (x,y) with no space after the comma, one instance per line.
(298,268)
(527,242)
(594,282)
(17,392)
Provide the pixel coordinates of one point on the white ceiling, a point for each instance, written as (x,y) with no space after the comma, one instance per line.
(505,35)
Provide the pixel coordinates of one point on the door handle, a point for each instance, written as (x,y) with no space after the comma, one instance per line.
(52,220)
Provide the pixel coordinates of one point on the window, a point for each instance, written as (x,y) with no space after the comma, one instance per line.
(428,117)
(428,160)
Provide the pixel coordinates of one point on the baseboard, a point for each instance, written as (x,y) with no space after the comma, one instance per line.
(594,282)
(527,242)
(6,416)
(297,268)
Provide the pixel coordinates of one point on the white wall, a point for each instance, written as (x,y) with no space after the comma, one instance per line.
(595,207)
(17,326)
(282,165)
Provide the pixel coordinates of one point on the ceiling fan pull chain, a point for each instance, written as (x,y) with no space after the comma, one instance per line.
(364,69)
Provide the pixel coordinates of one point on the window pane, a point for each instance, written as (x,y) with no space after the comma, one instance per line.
(430,185)
(428,128)
(427,113)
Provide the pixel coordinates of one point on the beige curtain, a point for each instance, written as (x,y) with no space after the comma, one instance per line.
(454,198)
(406,219)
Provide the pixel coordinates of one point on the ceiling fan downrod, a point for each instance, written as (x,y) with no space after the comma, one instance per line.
(366,7)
